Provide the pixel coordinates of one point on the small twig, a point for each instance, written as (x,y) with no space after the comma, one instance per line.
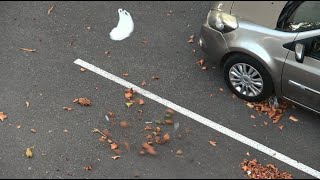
(95,130)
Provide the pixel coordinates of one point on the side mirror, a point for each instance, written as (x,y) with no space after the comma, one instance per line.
(299,51)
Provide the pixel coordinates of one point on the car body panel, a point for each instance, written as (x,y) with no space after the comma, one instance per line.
(301,81)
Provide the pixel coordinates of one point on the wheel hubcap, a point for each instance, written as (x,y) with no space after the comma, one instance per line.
(246,79)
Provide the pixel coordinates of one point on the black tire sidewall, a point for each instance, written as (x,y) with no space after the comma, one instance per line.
(267,81)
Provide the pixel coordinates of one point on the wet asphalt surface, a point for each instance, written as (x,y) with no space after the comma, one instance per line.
(49,80)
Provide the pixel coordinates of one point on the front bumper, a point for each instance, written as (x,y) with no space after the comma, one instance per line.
(212,43)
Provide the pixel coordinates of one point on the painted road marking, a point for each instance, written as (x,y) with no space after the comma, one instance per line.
(202,120)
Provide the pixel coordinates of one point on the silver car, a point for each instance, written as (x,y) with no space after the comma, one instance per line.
(267,48)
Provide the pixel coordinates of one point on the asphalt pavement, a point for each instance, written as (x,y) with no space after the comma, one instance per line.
(64,143)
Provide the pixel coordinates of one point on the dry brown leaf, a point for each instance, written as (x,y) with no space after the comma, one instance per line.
(292,118)
(67,108)
(169,122)
(148,127)
(150,149)
(166,137)
(88,168)
(124,124)
(155,77)
(221,89)
(250,105)
(27,103)
(115,157)
(33,130)
(149,136)
(128,95)
(18,126)
(277,118)
(111,114)
(179,152)
(3,116)
(143,83)
(213,143)
(281,127)
(82,69)
(141,101)
(252,117)
(191,39)
(200,62)
(28,49)
(248,154)
(83,101)
(114,146)
(50,9)
(125,74)
(158,140)
(158,129)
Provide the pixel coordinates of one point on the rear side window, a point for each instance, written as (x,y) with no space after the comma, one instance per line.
(305,17)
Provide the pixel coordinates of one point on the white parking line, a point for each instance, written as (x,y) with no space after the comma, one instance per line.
(202,120)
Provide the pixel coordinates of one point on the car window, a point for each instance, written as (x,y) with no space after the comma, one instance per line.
(315,48)
(304,18)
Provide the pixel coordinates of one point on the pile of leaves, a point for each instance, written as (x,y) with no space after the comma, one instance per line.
(255,170)
(275,113)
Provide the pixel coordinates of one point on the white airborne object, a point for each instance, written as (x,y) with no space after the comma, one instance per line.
(124,28)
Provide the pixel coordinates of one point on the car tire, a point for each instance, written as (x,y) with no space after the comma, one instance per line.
(247,78)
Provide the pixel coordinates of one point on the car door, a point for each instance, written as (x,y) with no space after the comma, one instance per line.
(301,80)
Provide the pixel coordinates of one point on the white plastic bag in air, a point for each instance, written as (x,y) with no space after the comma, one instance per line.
(124,28)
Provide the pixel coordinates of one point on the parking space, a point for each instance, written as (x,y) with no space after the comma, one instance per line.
(64,143)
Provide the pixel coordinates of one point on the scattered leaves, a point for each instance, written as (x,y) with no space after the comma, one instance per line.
(28,49)
(149,136)
(50,9)
(250,105)
(88,168)
(292,118)
(3,116)
(29,153)
(33,130)
(125,74)
(115,157)
(83,69)
(213,143)
(170,111)
(83,101)
(255,170)
(150,149)
(67,108)
(191,39)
